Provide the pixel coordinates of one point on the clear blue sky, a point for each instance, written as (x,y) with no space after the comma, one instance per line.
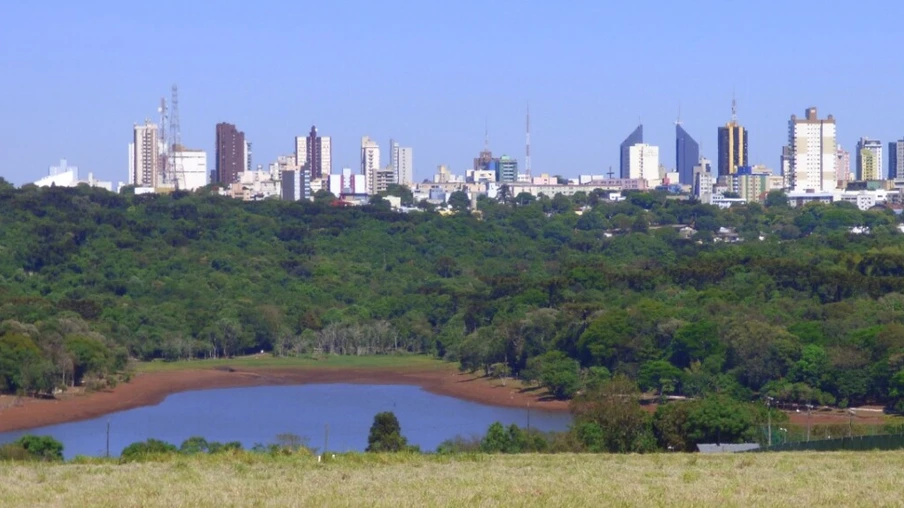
(75,76)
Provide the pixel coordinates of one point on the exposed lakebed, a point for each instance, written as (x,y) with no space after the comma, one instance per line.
(257,414)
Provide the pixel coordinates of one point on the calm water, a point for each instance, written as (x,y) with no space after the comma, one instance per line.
(257,415)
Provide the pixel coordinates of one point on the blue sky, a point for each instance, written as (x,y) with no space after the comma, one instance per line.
(75,76)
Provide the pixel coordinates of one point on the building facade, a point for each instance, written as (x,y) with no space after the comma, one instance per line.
(687,155)
(733,141)
(896,159)
(189,168)
(403,164)
(635,138)
(296,185)
(843,167)
(869,159)
(145,156)
(231,154)
(347,183)
(813,153)
(370,163)
(506,169)
(643,163)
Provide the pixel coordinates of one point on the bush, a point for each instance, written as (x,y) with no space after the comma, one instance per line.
(144,449)
(41,447)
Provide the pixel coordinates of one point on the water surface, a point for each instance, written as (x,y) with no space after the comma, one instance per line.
(341,413)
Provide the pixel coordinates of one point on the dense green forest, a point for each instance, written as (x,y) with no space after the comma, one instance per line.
(800,309)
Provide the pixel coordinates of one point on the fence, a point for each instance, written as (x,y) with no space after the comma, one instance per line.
(856,443)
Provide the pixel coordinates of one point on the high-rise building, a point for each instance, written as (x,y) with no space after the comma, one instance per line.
(347,183)
(370,162)
(733,141)
(643,163)
(506,169)
(842,167)
(296,185)
(232,156)
(145,158)
(316,152)
(636,137)
(190,168)
(246,158)
(402,162)
(687,155)
(896,159)
(869,159)
(813,153)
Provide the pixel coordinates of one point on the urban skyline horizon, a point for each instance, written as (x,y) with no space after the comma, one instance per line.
(591,72)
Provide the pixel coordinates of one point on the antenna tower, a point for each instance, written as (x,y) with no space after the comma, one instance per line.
(734,108)
(486,135)
(176,140)
(527,147)
(164,157)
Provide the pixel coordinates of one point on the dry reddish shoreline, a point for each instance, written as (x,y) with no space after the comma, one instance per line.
(151,388)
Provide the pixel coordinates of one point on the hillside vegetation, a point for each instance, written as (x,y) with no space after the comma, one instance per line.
(801,309)
(767,479)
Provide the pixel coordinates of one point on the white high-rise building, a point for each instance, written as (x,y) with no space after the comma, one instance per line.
(869,159)
(246,158)
(370,162)
(813,153)
(404,165)
(843,167)
(145,159)
(190,168)
(345,183)
(643,162)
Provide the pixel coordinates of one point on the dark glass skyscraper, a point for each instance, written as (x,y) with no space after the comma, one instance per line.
(732,148)
(624,157)
(687,155)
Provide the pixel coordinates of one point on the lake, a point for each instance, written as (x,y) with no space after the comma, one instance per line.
(258,414)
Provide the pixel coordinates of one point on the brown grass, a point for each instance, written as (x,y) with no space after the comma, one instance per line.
(769,479)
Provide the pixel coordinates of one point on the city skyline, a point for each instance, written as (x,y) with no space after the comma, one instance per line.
(579,113)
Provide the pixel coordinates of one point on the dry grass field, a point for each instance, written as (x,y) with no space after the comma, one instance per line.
(773,479)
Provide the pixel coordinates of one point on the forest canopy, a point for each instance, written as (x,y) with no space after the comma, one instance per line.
(681,298)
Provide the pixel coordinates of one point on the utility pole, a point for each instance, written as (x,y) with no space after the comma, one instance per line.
(528,416)
(769,417)
(108,439)
(809,406)
(326,438)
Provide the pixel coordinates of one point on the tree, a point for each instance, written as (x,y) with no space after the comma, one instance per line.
(386,434)
(615,408)
(459,201)
(324,196)
(659,375)
(400,191)
(559,374)
(776,199)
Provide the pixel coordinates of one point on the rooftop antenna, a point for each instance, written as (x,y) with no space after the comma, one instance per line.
(486,135)
(527,147)
(734,107)
(678,121)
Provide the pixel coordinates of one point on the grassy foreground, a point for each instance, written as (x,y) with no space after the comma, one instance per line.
(769,479)
(266,361)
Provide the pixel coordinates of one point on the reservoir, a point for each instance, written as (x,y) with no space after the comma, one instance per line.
(339,413)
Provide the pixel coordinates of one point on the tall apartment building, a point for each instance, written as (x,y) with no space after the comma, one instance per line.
(687,155)
(643,163)
(296,185)
(733,141)
(506,169)
(402,162)
(896,159)
(370,163)
(813,153)
(316,152)
(347,183)
(231,153)
(843,167)
(869,159)
(636,137)
(144,160)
